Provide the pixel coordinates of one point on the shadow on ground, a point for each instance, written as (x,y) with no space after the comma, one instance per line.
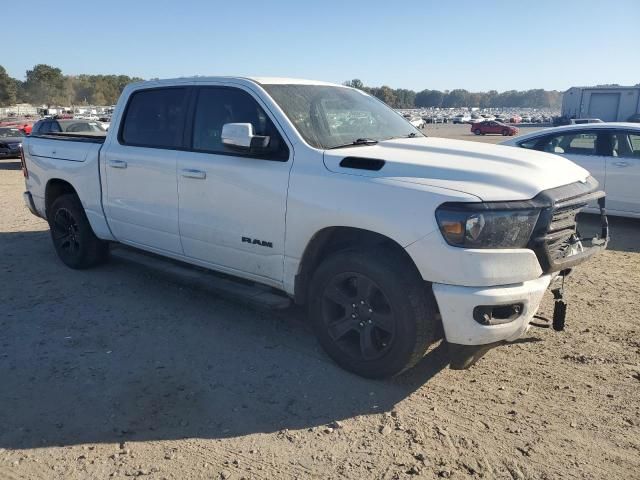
(115,354)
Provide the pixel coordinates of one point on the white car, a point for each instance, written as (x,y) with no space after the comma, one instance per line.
(610,151)
(462,118)
(325,194)
(417,122)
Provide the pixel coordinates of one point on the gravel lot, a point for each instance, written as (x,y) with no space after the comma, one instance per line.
(117,372)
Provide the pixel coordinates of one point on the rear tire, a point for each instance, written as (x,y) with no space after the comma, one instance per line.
(371,312)
(72,236)
(477,132)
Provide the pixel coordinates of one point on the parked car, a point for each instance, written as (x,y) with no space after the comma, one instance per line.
(610,151)
(10,142)
(560,121)
(417,122)
(22,124)
(582,121)
(492,126)
(462,118)
(53,125)
(384,253)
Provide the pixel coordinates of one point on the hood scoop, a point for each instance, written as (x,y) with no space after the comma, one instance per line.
(362,163)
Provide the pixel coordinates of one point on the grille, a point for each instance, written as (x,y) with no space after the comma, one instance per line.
(556,233)
(563,231)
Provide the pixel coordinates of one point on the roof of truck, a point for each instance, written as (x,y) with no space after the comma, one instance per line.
(259,80)
(287,81)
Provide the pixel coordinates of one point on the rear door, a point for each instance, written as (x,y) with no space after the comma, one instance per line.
(141,197)
(623,173)
(232,203)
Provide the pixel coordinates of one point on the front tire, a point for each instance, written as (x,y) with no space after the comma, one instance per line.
(505,132)
(371,311)
(72,236)
(477,132)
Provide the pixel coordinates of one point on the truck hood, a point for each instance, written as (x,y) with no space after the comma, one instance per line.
(490,172)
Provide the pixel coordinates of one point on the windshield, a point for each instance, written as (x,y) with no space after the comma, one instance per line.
(10,132)
(329,117)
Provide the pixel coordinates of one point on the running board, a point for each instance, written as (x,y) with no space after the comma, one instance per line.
(202,279)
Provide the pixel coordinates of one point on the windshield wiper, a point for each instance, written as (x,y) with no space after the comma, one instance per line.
(356,142)
(409,135)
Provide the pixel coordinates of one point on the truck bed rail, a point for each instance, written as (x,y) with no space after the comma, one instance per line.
(88,137)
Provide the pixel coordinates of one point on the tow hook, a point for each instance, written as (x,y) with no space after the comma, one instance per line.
(559,308)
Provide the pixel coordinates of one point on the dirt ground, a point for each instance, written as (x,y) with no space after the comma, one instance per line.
(116,373)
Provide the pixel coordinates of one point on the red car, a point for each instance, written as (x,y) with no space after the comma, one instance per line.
(491,126)
(25,126)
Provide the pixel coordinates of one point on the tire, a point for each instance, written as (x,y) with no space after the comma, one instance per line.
(477,132)
(505,132)
(371,312)
(72,236)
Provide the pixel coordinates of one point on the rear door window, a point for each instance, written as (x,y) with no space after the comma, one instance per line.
(635,144)
(626,145)
(155,118)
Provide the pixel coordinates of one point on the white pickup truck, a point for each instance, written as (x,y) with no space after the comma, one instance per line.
(323,192)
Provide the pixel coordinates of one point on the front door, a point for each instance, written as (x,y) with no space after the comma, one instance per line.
(232,202)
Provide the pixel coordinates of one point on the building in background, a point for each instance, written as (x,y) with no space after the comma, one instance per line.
(609,104)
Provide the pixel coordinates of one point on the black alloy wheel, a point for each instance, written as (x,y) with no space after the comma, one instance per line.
(66,232)
(73,238)
(358,316)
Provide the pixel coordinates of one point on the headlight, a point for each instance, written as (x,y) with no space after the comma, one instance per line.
(487,225)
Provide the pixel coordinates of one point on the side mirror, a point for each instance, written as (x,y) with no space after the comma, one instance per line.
(240,136)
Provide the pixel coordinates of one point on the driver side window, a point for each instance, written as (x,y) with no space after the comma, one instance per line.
(574,143)
(217,106)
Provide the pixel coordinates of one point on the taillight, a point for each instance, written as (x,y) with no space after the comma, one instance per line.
(25,172)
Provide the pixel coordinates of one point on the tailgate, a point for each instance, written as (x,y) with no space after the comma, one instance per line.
(75,150)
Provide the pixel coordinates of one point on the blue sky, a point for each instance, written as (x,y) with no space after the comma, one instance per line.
(477,45)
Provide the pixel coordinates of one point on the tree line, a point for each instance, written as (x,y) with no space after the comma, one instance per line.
(47,85)
(403,98)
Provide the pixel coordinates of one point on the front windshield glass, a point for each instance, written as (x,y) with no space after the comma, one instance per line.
(10,132)
(329,117)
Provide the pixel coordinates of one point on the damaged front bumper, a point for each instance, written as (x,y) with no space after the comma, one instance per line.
(475,319)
